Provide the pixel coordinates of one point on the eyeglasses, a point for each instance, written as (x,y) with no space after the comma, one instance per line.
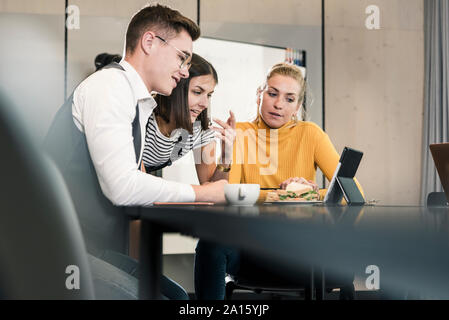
(186,59)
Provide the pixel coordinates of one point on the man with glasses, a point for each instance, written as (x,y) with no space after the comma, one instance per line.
(96,138)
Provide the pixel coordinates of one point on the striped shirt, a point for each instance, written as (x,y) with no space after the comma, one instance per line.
(161,151)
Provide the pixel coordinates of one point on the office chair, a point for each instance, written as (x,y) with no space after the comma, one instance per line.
(39,232)
(436,199)
(42,249)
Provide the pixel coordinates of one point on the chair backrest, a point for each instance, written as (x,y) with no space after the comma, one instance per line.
(42,251)
(436,199)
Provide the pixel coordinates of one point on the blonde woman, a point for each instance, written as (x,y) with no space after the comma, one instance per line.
(292,149)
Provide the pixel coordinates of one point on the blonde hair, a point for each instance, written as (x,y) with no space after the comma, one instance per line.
(292,71)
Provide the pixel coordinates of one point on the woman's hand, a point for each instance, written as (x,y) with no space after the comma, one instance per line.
(284,184)
(227,136)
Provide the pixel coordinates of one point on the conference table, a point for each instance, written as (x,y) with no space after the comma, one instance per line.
(408,244)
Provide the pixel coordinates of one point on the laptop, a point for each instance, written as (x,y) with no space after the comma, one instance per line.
(440,155)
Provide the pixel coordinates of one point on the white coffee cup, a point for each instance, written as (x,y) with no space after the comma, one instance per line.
(242,194)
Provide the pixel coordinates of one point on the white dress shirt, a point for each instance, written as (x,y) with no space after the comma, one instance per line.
(104,107)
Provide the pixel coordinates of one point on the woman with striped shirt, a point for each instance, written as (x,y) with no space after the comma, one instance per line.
(172,131)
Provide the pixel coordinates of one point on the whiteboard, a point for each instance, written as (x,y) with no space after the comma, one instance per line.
(241,69)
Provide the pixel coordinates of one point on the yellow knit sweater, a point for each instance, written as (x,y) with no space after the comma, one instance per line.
(270,156)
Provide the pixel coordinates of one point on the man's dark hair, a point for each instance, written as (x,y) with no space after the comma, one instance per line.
(178,101)
(167,22)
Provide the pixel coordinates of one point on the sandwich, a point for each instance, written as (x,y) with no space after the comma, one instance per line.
(294,192)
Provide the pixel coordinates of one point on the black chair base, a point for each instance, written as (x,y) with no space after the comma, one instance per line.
(347,292)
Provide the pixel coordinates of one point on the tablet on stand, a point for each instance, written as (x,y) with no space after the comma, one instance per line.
(342,183)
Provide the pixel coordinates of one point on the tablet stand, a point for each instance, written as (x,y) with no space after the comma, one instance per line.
(350,191)
(342,183)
